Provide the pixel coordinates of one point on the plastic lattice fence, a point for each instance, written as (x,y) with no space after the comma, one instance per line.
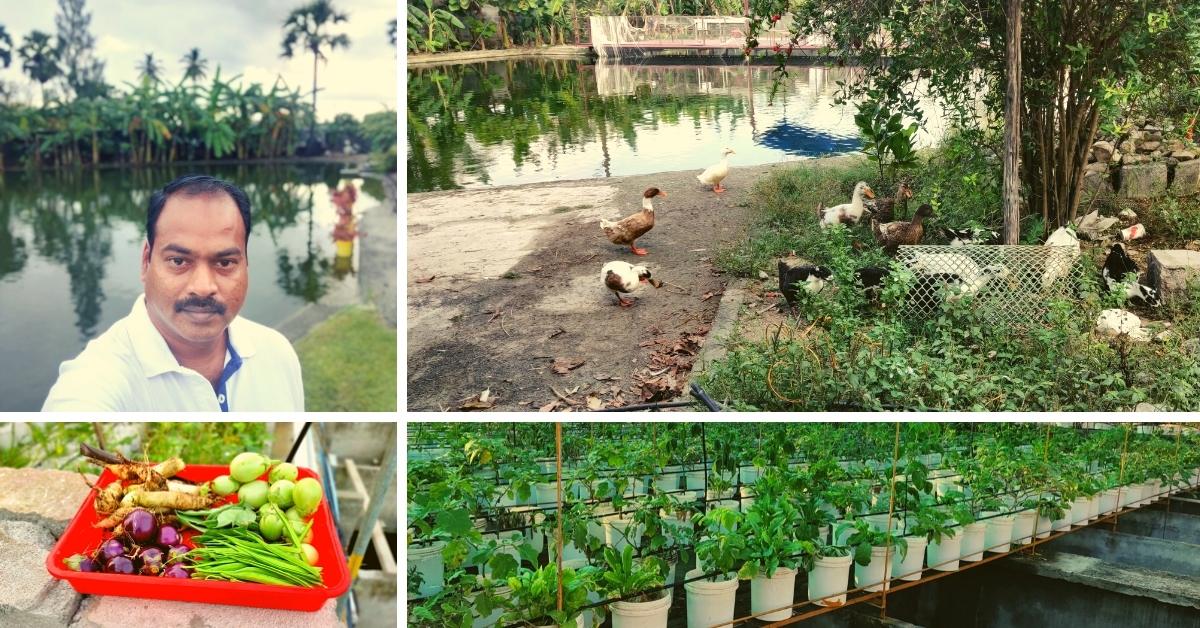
(1009,284)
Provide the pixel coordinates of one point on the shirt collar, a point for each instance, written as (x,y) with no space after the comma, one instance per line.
(151,348)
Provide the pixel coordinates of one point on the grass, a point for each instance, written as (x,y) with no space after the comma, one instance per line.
(349,364)
(843,354)
(511,274)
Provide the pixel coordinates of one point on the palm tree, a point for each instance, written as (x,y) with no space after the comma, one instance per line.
(305,28)
(194,66)
(392,32)
(40,59)
(5,47)
(149,69)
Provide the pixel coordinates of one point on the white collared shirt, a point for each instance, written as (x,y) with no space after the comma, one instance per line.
(129,368)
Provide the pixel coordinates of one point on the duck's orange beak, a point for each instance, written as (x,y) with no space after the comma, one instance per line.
(662,194)
(869,192)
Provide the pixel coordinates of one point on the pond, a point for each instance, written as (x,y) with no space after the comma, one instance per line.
(70,255)
(525,121)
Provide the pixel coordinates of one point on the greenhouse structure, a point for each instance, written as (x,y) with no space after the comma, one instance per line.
(829,524)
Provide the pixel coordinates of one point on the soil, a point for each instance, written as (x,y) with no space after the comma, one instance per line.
(504,286)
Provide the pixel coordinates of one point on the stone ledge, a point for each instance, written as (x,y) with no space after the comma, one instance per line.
(1171,271)
(29,595)
(127,612)
(44,496)
(1167,588)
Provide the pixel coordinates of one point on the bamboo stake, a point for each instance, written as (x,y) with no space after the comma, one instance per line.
(887,552)
(558,533)
(1121,477)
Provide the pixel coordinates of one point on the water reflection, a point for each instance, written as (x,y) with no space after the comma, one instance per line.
(525,121)
(70,250)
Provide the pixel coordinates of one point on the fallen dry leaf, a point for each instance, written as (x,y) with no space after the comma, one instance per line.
(562,366)
(549,407)
(594,403)
(709,295)
(425,279)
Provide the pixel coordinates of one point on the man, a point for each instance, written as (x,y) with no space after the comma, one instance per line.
(183,347)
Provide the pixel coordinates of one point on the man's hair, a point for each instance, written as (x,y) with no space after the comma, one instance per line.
(195,185)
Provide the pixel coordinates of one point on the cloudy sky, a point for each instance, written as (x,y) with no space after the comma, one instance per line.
(241,36)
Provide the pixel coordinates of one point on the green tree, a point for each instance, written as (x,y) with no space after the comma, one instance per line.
(81,71)
(193,66)
(39,59)
(150,70)
(5,47)
(392,32)
(1077,58)
(307,28)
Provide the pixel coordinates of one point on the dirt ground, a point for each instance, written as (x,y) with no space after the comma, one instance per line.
(504,286)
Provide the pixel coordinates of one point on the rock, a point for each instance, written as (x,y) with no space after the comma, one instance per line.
(1127,146)
(1152,134)
(1191,346)
(1143,180)
(1182,155)
(1134,159)
(1187,178)
(1174,145)
(1102,150)
(1093,226)
(1097,183)
(1171,271)
(1145,407)
(43,496)
(1116,157)
(763,275)
(29,596)
(1097,166)
(1128,215)
(1149,146)
(1164,336)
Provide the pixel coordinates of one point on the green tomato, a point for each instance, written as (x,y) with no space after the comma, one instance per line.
(224,485)
(253,494)
(248,466)
(281,493)
(283,471)
(306,495)
(292,514)
(270,526)
(310,553)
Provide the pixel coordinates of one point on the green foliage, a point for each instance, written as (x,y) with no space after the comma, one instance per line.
(431,29)
(344,128)
(628,579)
(721,545)
(349,363)
(534,597)
(202,443)
(886,140)
(863,538)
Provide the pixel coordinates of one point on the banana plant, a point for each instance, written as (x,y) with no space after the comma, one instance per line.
(431,29)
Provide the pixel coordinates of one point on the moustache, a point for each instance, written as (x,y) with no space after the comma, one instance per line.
(206,304)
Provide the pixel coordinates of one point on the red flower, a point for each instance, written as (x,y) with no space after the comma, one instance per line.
(775,47)
(776,17)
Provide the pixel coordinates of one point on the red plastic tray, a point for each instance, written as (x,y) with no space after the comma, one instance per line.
(82,537)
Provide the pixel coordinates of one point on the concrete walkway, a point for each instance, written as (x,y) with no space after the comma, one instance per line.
(571,51)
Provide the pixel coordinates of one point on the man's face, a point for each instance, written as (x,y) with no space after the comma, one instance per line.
(196,277)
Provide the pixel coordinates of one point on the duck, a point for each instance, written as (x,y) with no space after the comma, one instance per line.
(884,210)
(926,291)
(808,277)
(1120,273)
(971,236)
(716,173)
(634,226)
(890,235)
(847,213)
(870,280)
(620,276)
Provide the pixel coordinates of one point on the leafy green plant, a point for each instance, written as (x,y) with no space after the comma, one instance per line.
(887,141)
(431,29)
(863,538)
(629,579)
(720,545)
(534,597)
(771,541)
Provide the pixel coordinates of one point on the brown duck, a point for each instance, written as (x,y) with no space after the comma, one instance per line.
(628,230)
(885,207)
(891,235)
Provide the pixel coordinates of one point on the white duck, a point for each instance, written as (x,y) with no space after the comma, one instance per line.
(715,174)
(847,213)
(1061,259)
(621,277)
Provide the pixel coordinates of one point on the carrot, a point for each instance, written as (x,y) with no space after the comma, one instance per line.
(108,499)
(115,518)
(173,500)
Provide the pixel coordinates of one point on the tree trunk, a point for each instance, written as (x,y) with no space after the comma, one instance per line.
(312,127)
(95,148)
(1012,127)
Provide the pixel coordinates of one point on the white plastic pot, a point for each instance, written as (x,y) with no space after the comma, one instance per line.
(944,555)
(641,614)
(546,493)
(695,480)
(1064,523)
(510,550)
(1044,526)
(909,568)
(771,593)
(1093,509)
(620,532)
(710,603)
(666,483)
(827,582)
(427,560)
(1023,524)
(972,541)
(1147,494)
(1108,501)
(494,618)
(880,522)
(1079,512)
(870,576)
(997,536)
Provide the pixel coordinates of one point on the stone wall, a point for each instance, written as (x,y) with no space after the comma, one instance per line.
(1143,164)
